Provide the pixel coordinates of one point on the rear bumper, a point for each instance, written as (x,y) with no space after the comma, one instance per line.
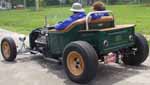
(117,48)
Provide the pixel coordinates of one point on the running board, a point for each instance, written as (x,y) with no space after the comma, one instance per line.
(59,61)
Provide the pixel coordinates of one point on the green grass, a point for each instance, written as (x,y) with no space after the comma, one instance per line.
(23,21)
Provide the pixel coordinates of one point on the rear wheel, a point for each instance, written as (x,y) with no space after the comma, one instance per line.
(80,61)
(8,49)
(75,63)
(138,53)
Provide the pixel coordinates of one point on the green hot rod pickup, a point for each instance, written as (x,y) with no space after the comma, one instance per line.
(83,44)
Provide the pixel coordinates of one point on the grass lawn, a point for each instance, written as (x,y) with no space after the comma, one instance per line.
(23,21)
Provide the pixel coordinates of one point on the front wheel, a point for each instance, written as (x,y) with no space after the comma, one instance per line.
(8,49)
(138,53)
(80,61)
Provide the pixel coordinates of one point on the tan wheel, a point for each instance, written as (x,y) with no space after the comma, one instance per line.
(8,49)
(75,63)
(80,61)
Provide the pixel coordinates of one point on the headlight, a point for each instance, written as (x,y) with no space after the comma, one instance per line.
(131,37)
(106,43)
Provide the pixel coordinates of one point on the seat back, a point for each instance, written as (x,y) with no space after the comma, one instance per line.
(103,22)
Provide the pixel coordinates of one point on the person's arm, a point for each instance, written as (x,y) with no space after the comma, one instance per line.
(99,15)
(63,25)
(60,26)
(67,22)
(95,16)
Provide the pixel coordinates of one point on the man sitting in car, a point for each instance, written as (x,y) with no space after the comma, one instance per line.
(78,13)
(99,6)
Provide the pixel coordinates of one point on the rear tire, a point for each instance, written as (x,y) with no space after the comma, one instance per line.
(140,54)
(80,61)
(8,49)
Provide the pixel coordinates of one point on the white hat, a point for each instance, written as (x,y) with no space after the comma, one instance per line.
(77,7)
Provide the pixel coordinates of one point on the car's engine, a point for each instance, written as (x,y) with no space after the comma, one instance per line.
(38,40)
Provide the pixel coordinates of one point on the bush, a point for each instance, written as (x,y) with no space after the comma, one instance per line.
(43,2)
(51,2)
(30,3)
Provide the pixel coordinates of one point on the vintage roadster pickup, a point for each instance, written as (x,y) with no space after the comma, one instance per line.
(83,44)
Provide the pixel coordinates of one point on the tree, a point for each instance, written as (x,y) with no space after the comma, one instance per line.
(88,2)
(37,5)
(107,1)
(25,3)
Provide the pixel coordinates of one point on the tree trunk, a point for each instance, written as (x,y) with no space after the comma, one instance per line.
(67,1)
(93,1)
(107,1)
(37,4)
(90,2)
(25,3)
